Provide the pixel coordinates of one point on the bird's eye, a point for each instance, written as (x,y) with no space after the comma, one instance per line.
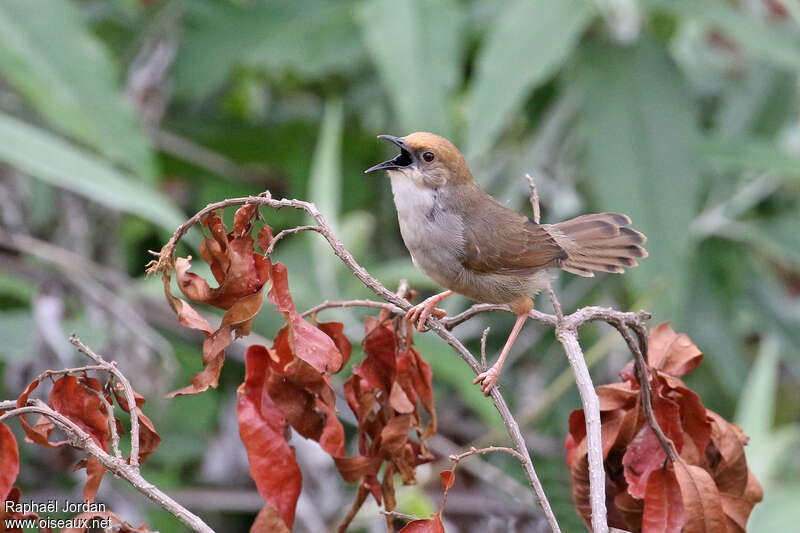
(428,156)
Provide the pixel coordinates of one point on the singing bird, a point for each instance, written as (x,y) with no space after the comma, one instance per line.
(469,243)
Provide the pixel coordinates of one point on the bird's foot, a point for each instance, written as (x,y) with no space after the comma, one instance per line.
(419,314)
(487,379)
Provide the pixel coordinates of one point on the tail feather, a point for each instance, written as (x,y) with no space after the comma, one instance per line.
(599,242)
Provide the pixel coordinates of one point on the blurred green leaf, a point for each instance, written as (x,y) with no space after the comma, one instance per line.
(776,236)
(48,158)
(639,131)
(17,345)
(305,37)
(527,43)
(50,56)
(325,190)
(756,408)
(778,511)
(416,47)
(743,154)
(770,42)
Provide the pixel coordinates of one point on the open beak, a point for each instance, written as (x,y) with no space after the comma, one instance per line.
(402,160)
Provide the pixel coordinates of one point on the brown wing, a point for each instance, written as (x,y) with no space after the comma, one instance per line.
(500,240)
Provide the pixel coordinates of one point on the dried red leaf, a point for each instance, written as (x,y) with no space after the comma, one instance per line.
(262,429)
(738,508)
(335,330)
(241,274)
(72,398)
(94,476)
(663,506)
(701,502)
(7,512)
(448,478)
(353,469)
(269,520)
(307,342)
(672,353)
(711,472)
(643,456)
(432,525)
(9,459)
(149,439)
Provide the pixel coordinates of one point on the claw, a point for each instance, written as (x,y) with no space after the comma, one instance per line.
(419,314)
(487,380)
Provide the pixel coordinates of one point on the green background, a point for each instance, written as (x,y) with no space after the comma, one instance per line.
(120,118)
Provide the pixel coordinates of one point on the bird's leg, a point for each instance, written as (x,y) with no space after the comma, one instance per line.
(489,378)
(419,313)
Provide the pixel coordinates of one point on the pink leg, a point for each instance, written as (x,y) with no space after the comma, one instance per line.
(419,314)
(489,378)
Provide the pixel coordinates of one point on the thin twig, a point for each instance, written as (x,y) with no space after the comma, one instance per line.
(129,395)
(537,213)
(483,347)
(284,233)
(78,438)
(645,390)
(487,449)
(329,304)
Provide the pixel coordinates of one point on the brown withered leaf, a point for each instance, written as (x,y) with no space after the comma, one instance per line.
(663,507)
(431,525)
(269,520)
(643,456)
(304,395)
(262,428)
(708,489)
(701,502)
(384,393)
(94,476)
(40,432)
(13,497)
(241,274)
(9,459)
(307,342)
(672,353)
(71,397)
(149,439)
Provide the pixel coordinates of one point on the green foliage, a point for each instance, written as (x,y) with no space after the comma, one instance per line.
(527,43)
(49,54)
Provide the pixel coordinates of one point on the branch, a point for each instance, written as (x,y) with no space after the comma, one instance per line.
(130,397)
(81,440)
(165,264)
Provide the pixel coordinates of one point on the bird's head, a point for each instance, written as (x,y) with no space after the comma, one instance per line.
(427,159)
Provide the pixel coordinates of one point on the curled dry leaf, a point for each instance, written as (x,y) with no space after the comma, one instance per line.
(241,274)
(708,489)
(149,439)
(431,525)
(307,342)
(262,428)
(13,497)
(9,459)
(384,393)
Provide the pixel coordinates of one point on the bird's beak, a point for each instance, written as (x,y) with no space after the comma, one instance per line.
(402,160)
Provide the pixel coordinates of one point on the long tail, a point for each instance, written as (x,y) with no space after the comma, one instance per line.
(598,242)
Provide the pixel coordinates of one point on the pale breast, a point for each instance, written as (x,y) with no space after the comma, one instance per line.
(433,235)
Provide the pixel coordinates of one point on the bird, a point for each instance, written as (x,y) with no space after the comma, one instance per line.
(471,244)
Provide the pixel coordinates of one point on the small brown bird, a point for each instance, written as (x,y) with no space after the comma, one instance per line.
(469,243)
